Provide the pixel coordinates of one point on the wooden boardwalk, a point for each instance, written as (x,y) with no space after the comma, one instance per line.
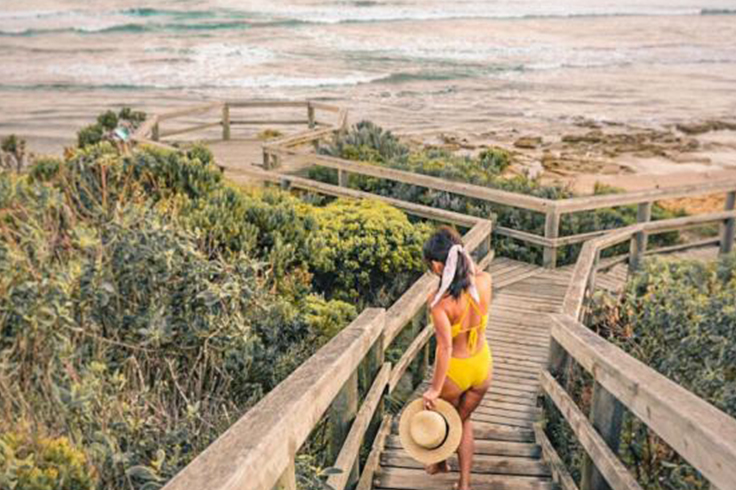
(507,454)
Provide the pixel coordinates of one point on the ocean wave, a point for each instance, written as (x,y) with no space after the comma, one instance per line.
(254,82)
(155,20)
(718,12)
(138,28)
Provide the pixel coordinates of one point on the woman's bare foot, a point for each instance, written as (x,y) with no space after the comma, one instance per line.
(441,467)
(456,486)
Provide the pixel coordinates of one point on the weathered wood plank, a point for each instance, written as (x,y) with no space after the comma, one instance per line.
(188,111)
(491,448)
(470,190)
(337,191)
(410,479)
(266,104)
(411,352)
(190,129)
(374,458)
(350,449)
(613,470)
(699,432)
(559,471)
(269,434)
(482,464)
(610,200)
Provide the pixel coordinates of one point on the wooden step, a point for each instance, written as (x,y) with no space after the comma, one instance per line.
(488,447)
(410,479)
(484,464)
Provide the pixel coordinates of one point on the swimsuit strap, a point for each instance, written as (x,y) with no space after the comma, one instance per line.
(465,313)
(472,331)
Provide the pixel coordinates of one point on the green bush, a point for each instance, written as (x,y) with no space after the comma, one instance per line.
(370,251)
(145,303)
(42,464)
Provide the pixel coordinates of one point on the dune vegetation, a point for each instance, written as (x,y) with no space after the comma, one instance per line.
(677,317)
(370,143)
(146,303)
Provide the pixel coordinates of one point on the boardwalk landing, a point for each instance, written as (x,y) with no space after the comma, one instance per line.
(507,456)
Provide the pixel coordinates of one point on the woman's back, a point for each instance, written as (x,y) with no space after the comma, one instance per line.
(469,319)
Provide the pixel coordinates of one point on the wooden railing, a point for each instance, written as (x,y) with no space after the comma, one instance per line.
(553,210)
(703,435)
(151,132)
(258,451)
(291,148)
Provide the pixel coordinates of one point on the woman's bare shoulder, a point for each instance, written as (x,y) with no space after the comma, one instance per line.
(483,277)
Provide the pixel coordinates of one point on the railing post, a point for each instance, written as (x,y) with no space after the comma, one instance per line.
(270,161)
(590,288)
(417,326)
(226,122)
(310,116)
(551,230)
(639,240)
(342,178)
(312,121)
(287,481)
(155,132)
(342,413)
(728,228)
(606,415)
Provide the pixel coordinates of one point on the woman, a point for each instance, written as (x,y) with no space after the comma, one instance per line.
(463,363)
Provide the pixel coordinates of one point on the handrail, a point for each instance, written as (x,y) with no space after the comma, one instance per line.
(590,253)
(255,451)
(700,433)
(470,190)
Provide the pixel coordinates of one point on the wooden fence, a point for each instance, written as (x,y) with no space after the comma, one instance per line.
(291,148)
(700,433)
(151,132)
(553,210)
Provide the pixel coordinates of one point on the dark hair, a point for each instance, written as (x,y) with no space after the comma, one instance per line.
(438,246)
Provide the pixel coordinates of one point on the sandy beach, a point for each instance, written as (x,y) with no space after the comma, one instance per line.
(630,96)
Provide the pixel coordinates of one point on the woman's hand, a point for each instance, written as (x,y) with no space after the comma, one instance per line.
(430,397)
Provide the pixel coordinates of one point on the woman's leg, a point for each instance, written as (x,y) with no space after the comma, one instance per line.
(452,394)
(468,403)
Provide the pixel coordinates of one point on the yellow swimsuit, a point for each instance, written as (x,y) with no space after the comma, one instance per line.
(467,372)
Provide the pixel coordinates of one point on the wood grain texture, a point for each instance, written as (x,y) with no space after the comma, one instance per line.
(699,432)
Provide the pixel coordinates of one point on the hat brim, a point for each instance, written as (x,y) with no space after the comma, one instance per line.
(447,448)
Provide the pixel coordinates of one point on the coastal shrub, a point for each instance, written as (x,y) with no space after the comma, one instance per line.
(679,318)
(369,143)
(33,463)
(145,303)
(13,154)
(371,252)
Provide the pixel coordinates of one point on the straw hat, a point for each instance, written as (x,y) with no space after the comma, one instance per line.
(430,436)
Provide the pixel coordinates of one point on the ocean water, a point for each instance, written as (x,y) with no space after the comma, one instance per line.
(409,64)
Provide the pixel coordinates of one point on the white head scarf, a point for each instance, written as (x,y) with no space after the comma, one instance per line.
(448,274)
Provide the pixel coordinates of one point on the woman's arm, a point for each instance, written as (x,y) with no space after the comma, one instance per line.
(443,334)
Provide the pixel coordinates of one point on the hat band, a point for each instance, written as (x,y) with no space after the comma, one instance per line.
(447,433)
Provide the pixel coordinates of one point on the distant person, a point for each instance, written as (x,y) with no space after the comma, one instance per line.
(463,362)
(121,137)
